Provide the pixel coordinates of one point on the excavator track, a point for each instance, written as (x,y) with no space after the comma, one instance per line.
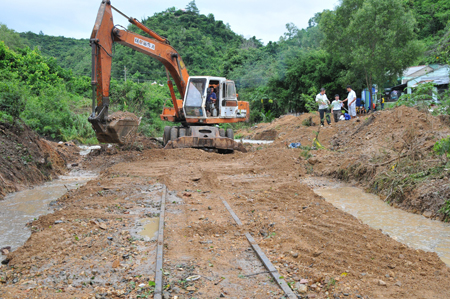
(204,137)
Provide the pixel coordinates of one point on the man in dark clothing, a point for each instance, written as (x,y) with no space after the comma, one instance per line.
(210,99)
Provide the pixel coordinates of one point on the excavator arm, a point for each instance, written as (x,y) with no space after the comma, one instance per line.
(116,128)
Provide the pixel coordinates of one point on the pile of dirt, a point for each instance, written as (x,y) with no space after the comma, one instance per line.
(390,153)
(371,150)
(287,129)
(270,134)
(27,160)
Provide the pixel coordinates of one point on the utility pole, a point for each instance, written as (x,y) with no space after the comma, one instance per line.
(125,71)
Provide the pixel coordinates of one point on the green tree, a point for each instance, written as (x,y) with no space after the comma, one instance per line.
(12,99)
(374,38)
(192,8)
(11,38)
(432,17)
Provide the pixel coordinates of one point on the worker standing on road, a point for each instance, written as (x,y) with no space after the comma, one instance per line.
(382,103)
(336,106)
(351,98)
(323,102)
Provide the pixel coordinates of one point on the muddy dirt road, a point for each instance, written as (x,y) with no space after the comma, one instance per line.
(100,242)
(90,247)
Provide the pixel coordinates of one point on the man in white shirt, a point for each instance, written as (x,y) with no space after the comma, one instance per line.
(323,102)
(336,106)
(351,98)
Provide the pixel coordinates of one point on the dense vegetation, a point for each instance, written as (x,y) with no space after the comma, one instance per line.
(276,78)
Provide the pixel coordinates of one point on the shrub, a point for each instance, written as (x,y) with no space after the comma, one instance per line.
(442,148)
(12,98)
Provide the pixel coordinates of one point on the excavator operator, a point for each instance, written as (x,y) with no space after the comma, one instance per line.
(211,99)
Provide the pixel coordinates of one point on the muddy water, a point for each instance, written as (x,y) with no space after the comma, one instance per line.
(21,207)
(150,227)
(413,230)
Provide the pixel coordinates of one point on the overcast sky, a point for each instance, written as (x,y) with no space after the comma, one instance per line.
(261,18)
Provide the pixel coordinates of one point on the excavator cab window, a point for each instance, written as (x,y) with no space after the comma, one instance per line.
(231,91)
(194,97)
(230,95)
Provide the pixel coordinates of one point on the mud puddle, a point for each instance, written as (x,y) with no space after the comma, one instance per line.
(413,230)
(21,207)
(150,227)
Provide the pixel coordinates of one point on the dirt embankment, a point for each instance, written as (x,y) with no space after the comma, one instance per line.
(89,248)
(388,152)
(27,160)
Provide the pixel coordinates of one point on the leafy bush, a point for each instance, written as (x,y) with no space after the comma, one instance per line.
(426,95)
(442,148)
(267,117)
(12,99)
(35,89)
(446,210)
(307,122)
(423,92)
(310,102)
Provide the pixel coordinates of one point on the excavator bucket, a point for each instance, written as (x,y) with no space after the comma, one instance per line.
(120,127)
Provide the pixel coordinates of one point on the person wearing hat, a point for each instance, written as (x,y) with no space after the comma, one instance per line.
(336,106)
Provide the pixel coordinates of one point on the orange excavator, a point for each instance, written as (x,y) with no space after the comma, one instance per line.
(198,112)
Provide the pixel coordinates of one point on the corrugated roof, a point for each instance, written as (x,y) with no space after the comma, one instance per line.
(438,77)
(436,80)
(413,69)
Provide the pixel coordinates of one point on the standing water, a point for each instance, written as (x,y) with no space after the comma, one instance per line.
(414,230)
(20,207)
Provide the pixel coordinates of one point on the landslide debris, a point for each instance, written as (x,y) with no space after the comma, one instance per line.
(27,160)
(389,152)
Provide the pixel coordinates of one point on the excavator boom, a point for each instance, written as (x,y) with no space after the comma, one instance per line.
(195,110)
(118,127)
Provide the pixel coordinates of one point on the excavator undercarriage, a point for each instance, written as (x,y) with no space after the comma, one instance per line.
(206,137)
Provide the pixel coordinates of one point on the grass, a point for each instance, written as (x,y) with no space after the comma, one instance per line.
(307,122)
(305,152)
(331,283)
(446,210)
(402,177)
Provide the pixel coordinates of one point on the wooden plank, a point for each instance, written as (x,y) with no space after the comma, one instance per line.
(269,266)
(159,250)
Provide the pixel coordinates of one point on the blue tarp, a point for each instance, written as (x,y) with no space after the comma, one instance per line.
(295,145)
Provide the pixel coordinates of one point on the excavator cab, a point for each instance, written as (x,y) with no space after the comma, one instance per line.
(197,108)
(200,128)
